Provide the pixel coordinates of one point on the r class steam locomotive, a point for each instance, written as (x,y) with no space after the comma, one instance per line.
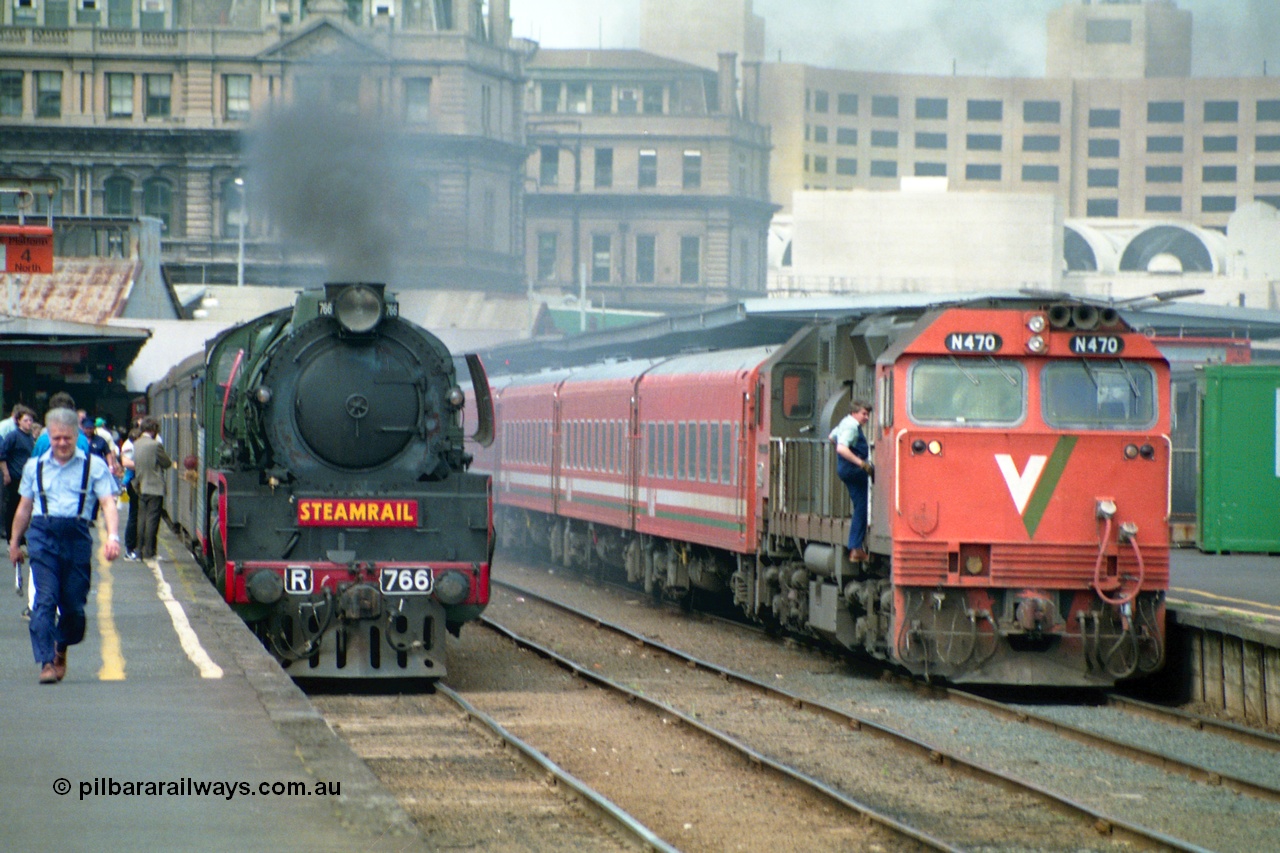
(327,489)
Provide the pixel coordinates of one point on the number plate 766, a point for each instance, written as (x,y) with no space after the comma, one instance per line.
(406,581)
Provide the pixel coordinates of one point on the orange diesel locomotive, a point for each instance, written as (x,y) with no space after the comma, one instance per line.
(1018,517)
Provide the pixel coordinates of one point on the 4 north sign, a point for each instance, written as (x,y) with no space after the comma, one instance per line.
(27,248)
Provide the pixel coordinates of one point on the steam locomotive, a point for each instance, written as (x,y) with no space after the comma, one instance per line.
(327,489)
(1018,516)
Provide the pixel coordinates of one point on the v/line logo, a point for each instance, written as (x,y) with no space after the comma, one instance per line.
(1033,486)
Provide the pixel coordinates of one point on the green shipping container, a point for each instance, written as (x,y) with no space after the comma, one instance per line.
(1238,492)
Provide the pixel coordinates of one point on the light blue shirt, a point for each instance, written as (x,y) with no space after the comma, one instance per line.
(62,484)
(846,432)
(43,444)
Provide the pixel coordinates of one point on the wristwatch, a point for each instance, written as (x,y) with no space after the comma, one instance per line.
(114,537)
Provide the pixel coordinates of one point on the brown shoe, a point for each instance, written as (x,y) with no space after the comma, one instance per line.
(858,555)
(47,675)
(60,663)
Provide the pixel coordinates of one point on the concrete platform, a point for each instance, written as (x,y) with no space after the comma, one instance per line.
(171,738)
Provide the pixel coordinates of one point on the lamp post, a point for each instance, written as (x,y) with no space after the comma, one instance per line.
(240,244)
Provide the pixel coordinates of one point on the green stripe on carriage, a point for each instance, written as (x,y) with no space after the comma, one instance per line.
(1048,482)
(722,523)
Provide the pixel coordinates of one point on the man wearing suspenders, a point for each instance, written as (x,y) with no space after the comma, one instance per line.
(59,491)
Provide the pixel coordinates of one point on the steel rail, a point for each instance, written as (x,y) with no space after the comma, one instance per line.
(1102,821)
(596,802)
(1234,731)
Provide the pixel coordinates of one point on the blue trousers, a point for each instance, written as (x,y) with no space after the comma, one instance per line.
(60,550)
(855,480)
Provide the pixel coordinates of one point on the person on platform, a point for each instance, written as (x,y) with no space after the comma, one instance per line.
(853,467)
(15,450)
(59,491)
(149,464)
(131,494)
(60,400)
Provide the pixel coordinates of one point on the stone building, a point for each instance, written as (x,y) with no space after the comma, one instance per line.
(140,107)
(647,180)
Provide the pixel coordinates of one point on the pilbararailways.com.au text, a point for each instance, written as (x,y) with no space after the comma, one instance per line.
(109,786)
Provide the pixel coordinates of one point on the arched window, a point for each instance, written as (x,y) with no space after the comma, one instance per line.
(231,197)
(157,201)
(117,196)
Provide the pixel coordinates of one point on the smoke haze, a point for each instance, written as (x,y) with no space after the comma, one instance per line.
(1230,38)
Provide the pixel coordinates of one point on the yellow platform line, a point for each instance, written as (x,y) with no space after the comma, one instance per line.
(112,657)
(1246,601)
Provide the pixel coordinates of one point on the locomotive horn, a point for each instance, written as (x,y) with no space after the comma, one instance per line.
(1084,316)
(1059,315)
(1108,317)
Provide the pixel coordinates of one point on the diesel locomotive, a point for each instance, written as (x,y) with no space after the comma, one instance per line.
(1018,515)
(326,486)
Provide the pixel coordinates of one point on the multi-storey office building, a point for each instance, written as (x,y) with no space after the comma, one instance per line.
(1117,129)
(647,184)
(140,106)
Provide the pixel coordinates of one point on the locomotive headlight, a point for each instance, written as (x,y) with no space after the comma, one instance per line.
(1037,323)
(1036,344)
(456,397)
(452,588)
(358,309)
(263,394)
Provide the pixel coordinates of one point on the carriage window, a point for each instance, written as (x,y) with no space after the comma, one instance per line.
(797,393)
(682,451)
(702,452)
(713,467)
(726,454)
(967,391)
(1088,394)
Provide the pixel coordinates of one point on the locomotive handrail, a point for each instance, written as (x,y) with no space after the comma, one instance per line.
(802,479)
(226,394)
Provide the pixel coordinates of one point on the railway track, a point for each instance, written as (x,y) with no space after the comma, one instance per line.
(1117,822)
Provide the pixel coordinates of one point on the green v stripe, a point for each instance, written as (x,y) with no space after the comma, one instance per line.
(1048,482)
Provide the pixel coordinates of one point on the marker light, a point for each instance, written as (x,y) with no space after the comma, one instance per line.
(1037,323)
(1131,451)
(935,447)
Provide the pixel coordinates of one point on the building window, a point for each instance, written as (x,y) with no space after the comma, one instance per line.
(417,99)
(1267,143)
(846,166)
(158,95)
(1164,204)
(547,248)
(575,96)
(884,139)
(1041,143)
(820,164)
(983,142)
(119,96)
(1221,111)
(344,92)
(1218,204)
(601,258)
(1268,111)
(11,93)
(884,168)
(846,104)
(821,101)
(982,172)
(1108,31)
(628,101)
(550,97)
(1273,200)
(1218,174)
(548,165)
(690,260)
(235,97)
(846,136)
(1046,174)
(231,199)
(646,254)
(601,98)
(157,201)
(652,99)
(1214,144)
(1102,207)
(117,196)
(931,108)
(604,168)
(931,141)
(1164,144)
(648,176)
(884,106)
(985,110)
(931,170)
(1266,174)
(692,170)
(820,133)
(1164,111)
(48,94)
(1042,111)
(1104,147)
(1164,174)
(1103,178)
(1104,118)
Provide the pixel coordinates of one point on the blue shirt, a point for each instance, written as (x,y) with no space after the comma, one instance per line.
(846,432)
(62,484)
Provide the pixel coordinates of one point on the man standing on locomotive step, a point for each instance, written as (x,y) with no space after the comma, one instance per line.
(853,467)
(59,491)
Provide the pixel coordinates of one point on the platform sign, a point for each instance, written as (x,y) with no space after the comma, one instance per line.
(27,248)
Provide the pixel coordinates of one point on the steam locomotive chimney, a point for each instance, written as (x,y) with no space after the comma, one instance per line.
(500,22)
(728,83)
